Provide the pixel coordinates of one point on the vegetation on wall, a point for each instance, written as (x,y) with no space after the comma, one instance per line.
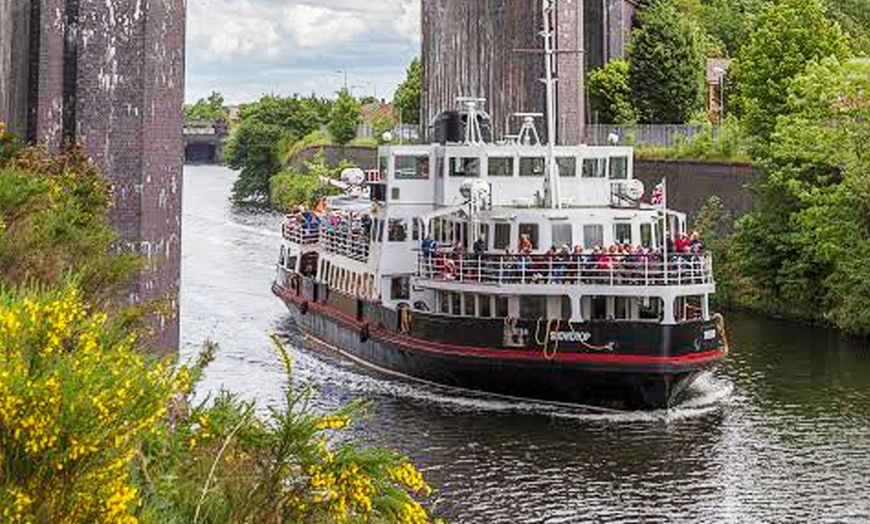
(209,108)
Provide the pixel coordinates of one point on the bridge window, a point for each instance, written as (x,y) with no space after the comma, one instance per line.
(533,307)
(562,235)
(502,238)
(398,230)
(499,166)
(622,233)
(465,167)
(412,167)
(593,235)
(646,235)
(594,168)
(619,167)
(532,166)
(567,166)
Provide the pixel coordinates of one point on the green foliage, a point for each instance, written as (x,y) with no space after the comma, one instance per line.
(291,148)
(54,220)
(666,67)
(224,464)
(253,149)
(730,144)
(290,189)
(610,92)
(210,108)
(787,36)
(409,94)
(803,252)
(344,118)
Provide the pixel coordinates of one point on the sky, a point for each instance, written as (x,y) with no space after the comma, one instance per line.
(247,48)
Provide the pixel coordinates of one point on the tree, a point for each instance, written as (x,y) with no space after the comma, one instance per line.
(610,92)
(787,36)
(805,250)
(666,68)
(253,149)
(210,108)
(409,94)
(344,118)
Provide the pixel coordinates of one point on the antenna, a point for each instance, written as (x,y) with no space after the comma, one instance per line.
(554,193)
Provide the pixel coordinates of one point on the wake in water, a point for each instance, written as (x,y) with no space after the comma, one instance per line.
(707,394)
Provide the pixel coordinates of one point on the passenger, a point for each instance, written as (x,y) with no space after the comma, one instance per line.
(479,247)
(525,246)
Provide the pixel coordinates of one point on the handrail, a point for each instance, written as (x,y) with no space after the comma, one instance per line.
(337,240)
(589,269)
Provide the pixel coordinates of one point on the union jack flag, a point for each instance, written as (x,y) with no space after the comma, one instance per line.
(658,194)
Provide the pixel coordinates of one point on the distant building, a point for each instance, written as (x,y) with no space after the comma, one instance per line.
(484,48)
(374,112)
(109,74)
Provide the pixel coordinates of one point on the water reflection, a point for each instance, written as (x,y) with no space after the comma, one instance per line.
(780,434)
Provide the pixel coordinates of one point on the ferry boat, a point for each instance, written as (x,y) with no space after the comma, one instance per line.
(514,267)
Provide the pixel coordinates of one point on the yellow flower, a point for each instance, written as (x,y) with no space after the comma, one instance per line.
(332,422)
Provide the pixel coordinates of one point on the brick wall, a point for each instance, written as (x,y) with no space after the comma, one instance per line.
(690,184)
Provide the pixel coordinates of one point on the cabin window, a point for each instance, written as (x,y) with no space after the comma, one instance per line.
(562,235)
(566,307)
(593,235)
(687,309)
(567,166)
(650,308)
(281,258)
(598,308)
(502,238)
(400,288)
(594,168)
(395,192)
(622,233)
(501,166)
(469,304)
(415,229)
(412,168)
(456,304)
(530,230)
(622,308)
(383,166)
(619,168)
(443,302)
(291,263)
(532,166)
(380,230)
(437,232)
(465,167)
(485,306)
(646,235)
(501,307)
(533,307)
(398,230)
(483,233)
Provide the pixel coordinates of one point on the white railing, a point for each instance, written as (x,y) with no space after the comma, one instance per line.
(602,270)
(352,243)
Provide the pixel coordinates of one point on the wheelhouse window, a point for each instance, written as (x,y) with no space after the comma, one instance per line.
(464,167)
(593,235)
(530,231)
(562,235)
(622,233)
(619,167)
(502,238)
(532,166)
(501,166)
(567,166)
(412,168)
(398,230)
(533,307)
(594,167)
(400,288)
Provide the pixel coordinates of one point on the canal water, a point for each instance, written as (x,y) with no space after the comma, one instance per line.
(781,433)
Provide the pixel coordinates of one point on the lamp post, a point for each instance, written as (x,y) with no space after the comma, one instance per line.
(720,72)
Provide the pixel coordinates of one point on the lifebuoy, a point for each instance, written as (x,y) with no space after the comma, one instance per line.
(364,332)
(303,307)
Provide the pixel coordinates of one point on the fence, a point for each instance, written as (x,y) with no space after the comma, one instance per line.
(645,135)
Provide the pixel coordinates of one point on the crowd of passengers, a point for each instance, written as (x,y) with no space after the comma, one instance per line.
(624,263)
(334,221)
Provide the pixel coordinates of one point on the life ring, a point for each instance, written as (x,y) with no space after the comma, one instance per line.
(365,332)
(303,307)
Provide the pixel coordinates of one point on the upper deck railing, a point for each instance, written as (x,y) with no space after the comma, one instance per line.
(350,240)
(682,269)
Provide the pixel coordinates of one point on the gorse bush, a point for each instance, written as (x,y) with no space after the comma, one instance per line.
(76,401)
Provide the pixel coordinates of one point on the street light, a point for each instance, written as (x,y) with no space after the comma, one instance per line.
(344,73)
(720,72)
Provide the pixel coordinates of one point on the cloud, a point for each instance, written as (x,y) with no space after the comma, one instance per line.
(244,48)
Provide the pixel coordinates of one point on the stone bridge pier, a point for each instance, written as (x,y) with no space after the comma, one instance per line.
(109,74)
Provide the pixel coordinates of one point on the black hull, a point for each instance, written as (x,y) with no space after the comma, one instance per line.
(623,382)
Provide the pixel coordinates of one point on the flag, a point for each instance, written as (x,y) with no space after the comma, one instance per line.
(658,194)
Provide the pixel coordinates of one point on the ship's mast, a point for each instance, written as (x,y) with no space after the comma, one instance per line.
(555,192)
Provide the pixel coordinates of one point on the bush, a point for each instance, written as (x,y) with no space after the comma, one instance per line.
(76,402)
(610,92)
